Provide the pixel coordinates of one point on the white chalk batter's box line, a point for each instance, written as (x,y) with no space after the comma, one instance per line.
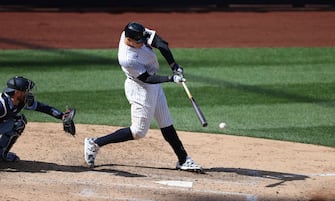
(88,192)
(321,175)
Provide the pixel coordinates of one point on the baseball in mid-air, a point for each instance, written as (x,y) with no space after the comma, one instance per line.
(222,125)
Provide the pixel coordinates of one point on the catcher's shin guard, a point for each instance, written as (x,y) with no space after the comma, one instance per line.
(10,132)
(7,141)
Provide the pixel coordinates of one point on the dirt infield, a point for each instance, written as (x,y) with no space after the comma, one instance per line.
(237,168)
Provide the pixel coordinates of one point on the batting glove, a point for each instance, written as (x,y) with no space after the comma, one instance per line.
(178,79)
(178,70)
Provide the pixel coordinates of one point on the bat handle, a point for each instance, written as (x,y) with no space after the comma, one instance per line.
(186,90)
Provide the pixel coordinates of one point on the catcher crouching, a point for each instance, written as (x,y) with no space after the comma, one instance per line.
(15,97)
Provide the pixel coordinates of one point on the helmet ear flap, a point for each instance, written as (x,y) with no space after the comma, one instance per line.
(11,83)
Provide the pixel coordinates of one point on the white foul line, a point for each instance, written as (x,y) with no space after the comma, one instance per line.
(184,184)
(322,175)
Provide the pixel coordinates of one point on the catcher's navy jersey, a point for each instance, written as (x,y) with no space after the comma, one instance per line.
(7,108)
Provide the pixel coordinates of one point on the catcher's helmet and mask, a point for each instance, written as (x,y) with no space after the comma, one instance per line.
(136,32)
(19,83)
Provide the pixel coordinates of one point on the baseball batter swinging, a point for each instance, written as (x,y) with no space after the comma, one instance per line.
(145,94)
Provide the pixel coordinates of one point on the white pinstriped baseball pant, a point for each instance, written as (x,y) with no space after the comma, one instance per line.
(147,101)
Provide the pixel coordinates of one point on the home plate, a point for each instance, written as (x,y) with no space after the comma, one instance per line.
(185,184)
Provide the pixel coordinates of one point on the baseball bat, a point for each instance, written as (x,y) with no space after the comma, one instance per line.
(196,107)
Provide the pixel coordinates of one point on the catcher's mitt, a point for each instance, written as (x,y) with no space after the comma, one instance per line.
(68,123)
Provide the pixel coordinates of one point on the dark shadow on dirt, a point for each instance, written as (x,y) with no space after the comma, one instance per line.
(44,167)
(38,167)
(135,166)
(171,170)
(281,177)
(165,193)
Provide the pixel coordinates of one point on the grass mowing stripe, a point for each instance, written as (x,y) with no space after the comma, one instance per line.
(313,92)
(97,100)
(72,80)
(250,57)
(294,122)
(46,58)
(230,94)
(265,75)
(279,115)
(321,135)
(254,90)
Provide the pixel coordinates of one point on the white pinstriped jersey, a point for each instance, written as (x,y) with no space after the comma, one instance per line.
(135,61)
(147,101)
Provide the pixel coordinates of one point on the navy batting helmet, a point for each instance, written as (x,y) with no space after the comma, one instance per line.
(135,31)
(19,83)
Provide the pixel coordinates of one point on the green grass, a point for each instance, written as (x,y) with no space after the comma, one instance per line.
(276,93)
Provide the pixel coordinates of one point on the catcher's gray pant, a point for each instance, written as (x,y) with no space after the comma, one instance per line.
(10,131)
(147,101)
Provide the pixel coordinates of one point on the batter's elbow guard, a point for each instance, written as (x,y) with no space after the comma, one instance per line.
(159,43)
